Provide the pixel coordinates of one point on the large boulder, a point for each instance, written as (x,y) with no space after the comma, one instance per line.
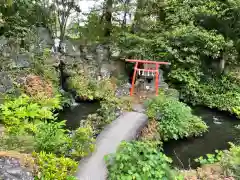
(5,49)
(101,53)
(3,41)
(44,38)
(6,84)
(21,61)
(71,48)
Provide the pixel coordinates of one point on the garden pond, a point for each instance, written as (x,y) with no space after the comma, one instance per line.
(223,128)
(74,114)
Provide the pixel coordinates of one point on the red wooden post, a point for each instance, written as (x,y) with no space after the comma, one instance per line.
(146,70)
(157,78)
(133,79)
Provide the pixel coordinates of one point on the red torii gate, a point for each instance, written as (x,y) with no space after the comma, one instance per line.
(137,62)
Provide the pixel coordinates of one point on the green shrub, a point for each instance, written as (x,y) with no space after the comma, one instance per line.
(51,167)
(18,143)
(175,119)
(91,88)
(82,142)
(222,93)
(138,160)
(21,115)
(50,137)
(104,90)
(231,161)
(85,88)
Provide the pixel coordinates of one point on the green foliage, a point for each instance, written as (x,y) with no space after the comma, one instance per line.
(50,137)
(19,22)
(71,178)
(88,88)
(25,118)
(41,67)
(82,142)
(175,118)
(103,90)
(96,36)
(222,93)
(51,167)
(85,88)
(196,37)
(21,115)
(139,160)
(17,143)
(6,2)
(210,158)
(231,161)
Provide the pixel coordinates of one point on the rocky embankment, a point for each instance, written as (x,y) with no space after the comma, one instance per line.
(11,169)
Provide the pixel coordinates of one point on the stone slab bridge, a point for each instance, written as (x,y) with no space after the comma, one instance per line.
(126,127)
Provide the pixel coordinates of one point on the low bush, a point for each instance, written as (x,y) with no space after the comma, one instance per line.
(50,137)
(53,137)
(231,161)
(139,160)
(175,119)
(89,88)
(33,126)
(21,115)
(51,167)
(82,142)
(222,93)
(150,131)
(18,143)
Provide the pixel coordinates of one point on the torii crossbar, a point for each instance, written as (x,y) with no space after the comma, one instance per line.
(156,70)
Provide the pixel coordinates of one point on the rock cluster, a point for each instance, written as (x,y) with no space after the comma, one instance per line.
(10,169)
(123,90)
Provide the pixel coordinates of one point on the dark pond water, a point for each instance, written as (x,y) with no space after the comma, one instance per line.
(73,115)
(221,131)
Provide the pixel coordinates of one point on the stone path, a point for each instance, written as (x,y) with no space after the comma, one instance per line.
(126,127)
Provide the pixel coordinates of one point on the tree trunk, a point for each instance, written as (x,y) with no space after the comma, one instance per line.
(108,18)
(137,16)
(222,64)
(161,12)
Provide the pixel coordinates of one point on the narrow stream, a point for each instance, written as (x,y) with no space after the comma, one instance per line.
(221,131)
(73,115)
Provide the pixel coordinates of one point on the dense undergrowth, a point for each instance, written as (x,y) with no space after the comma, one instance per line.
(32,127)
(139,160)
(175,119)
(220,93)
(144,159)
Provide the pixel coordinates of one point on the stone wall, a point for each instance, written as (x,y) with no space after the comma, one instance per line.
(92,59)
